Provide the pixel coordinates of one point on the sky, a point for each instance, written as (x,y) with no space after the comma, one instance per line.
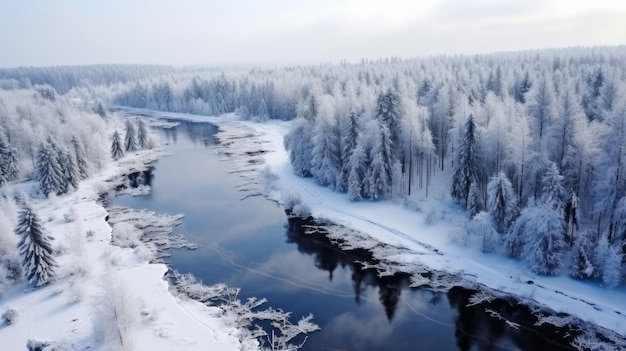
(184,32)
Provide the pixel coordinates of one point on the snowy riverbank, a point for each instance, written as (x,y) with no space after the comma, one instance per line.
(96,279)
(429,236)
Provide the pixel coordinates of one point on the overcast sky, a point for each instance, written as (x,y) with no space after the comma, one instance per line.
(62,32)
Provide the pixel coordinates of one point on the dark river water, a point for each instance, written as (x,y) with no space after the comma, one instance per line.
(251,244)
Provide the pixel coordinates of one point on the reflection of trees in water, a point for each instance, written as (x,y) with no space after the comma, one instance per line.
(328,257)
(474,327)
(136,179)
(198,132)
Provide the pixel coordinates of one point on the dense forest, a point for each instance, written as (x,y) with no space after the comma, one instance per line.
(530,144)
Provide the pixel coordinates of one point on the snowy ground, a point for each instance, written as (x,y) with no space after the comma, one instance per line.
(95,276)
(428,233)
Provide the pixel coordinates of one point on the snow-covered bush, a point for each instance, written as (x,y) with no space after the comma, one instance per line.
(116,314)
(43,345)
(483,231)
(70,215)
(293,203)
(10,316)
(582,266)
(126,235)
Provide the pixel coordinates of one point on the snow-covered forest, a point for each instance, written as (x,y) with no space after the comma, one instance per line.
(530,144)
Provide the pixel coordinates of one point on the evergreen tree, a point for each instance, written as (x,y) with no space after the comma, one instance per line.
(70,171)
(501,202)
(35,248)
(389,115)
(348,143)
(552,190)
(380,170)
(612,270)
(49,172)
(543,236)
(142,135)
(10,167)
(298,143)
(466,165)
(474,201)
(81,160)
(582,260)
(116,147)
(130,144)
(357,165)
(325,160)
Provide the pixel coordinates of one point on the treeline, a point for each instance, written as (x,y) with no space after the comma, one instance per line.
(64,78)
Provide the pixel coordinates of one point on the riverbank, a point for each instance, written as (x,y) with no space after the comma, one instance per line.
(104,295)
(424,234)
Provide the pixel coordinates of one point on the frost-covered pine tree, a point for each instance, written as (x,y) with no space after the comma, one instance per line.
(466,165)
(81,159)
(380,171)
(582,258)
(326,159)
(501,202)
(298,143)
(348,144)
(35,248)
(357,165)
(116,147)
(70,171)
(10,166)
(552,188)
(541,229)
(130,142)
(612,270)
(49,172)
(142,135)
(474,201)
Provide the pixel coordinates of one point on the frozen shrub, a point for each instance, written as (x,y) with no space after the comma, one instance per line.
(40,345)
(70,216)
(10,316)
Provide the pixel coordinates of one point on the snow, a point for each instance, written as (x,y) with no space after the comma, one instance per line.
(424,236)
(68,311)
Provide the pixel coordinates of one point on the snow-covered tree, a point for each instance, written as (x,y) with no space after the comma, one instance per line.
(501,201)
(35,248)
(298,143)
(70,171)
(466,165)
(142,135)
(357,170)
(49,172)
(116,147)
(326,157)
(474,201)
(349,135)
(380,170)
(612,270)
(552,188)
(482,228)
(541,231)
(79,154)
(582,258)
(130,142)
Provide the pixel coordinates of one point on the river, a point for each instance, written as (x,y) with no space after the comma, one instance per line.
(251,244)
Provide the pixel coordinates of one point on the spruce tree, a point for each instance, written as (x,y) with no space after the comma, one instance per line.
(130,144)
(70,171)
(49,172)
(142,135)
(466,165)
(35,248)
(81,159)
(501,202)
(116,147)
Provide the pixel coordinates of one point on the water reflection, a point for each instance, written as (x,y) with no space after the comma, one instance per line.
(471,328)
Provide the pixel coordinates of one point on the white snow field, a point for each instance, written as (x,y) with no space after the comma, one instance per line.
(433,233)
(96,280)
